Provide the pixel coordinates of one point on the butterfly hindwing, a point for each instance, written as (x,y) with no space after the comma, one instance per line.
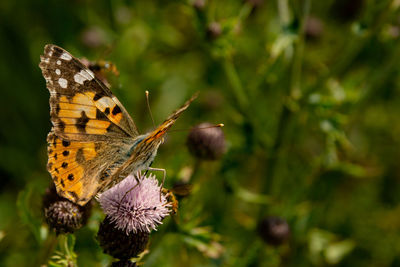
(80,169)
(67,173)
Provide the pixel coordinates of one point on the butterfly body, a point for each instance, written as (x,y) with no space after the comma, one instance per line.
(94,142)
(136,155)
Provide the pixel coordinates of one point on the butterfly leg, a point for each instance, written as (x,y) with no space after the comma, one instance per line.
(163,180)
(137,178)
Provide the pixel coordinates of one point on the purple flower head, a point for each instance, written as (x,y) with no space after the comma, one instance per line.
(135,207)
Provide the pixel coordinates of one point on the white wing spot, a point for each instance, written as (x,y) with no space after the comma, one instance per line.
(90,73)
(83,75)
(106,102)
(58,72)
(63,82)
(66,56)
(79,78)
(58,62)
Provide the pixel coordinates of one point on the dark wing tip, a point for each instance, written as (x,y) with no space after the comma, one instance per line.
(179,111)
(194,96)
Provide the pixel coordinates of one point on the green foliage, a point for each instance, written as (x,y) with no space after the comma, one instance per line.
(65,257)
(309,95)
(26,213)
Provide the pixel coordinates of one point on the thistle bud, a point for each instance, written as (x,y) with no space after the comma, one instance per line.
(345,10)
(63,215)
(214,30)
(123,263)
(255,3)
(274,230)
(199,4)
(93,37)
(313,28)
(120,244)
(207,144)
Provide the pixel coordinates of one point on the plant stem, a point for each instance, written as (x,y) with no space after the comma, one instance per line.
(352,49)
(286,113)
(274,151)
(236,84)
(48,248)
(244,12)
(298,56)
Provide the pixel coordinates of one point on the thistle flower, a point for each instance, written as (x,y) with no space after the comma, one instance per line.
(135,207)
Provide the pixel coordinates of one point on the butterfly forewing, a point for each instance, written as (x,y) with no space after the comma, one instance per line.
(80,104)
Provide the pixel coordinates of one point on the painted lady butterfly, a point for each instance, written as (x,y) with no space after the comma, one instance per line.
(94,142)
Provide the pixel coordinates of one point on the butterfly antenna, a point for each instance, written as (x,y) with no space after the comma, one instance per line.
(148,107)
(199,128)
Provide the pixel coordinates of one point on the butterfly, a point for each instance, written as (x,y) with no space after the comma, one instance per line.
(93,143)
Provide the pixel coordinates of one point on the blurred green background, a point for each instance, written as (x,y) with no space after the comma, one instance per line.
(309,95)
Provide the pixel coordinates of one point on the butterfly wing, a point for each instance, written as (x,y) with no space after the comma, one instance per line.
(90,126)
(81,106)
(164,127)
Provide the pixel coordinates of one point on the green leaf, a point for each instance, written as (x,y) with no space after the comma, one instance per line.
(25,210)
(65,256)
(335,252)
